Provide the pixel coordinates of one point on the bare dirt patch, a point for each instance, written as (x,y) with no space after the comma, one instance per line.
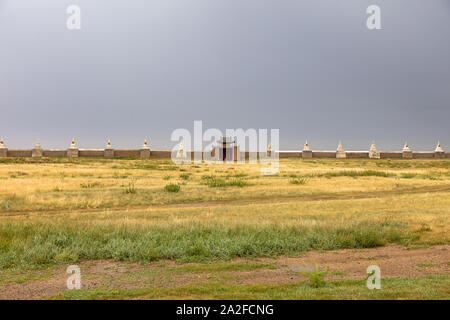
(99,273)
(38,288)
(393,260)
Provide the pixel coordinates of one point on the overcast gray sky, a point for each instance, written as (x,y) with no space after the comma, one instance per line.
(142,68)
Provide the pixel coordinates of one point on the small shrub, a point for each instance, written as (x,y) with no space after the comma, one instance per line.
(185,176)
(166,177)
(214,182)
(130,189)
(299,181)
(424,228)
(172,188)
(316,278)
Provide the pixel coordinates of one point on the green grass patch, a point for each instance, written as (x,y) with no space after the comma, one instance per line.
(172,188)
(426,265)
(217,182)
(432,287)
(36,244)
(185,176)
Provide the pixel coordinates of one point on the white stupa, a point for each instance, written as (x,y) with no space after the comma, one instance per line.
(180,153)
(2,144)
(438,148)
(145,145)
(407,153)
(37,151)
(406,147)
(373,152)
(340,152)
(108,145)
(306,146)
(269,150)
(73,144)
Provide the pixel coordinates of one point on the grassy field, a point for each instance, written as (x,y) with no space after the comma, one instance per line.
(55,212)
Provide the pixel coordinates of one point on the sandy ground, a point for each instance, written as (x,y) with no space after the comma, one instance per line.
(393,260)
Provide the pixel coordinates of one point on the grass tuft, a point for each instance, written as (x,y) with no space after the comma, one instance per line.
(316,277)
(299,181)
(215,182)
(90,185)
(172,187)
(185,176)
(131,188)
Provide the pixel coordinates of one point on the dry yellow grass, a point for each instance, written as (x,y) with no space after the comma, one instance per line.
(101,184)
(416,193)
(308,204)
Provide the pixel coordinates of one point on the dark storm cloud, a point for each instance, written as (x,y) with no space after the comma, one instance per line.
(140,69)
